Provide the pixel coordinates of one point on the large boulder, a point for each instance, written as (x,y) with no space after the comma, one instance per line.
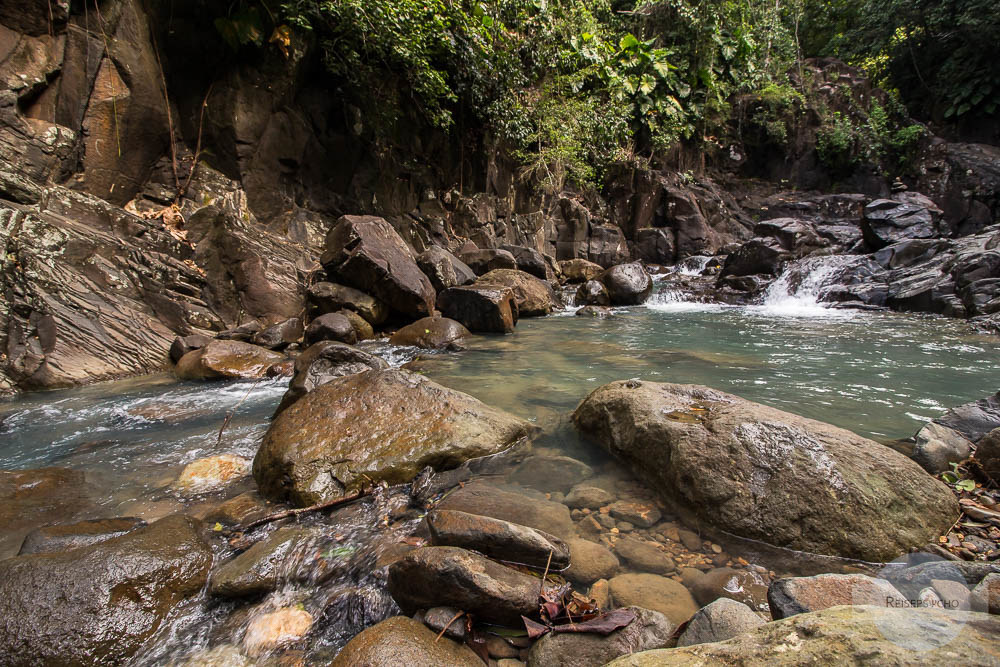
(484,261)
(531,261)
(579,270)
(325,362)
(534,296)
(33,498)
(332,326)
(279,336)
(97,605)
(380,425)
(973,420)
(628,284)
(480,308)
(222,359)
(184,344)
(758,472)
(433,333)
(592,293)
(66,536)
(323,298)
(498,539)
(907,216)
(936,447)
(434,576)
(846,636)
(444,269)
(400,640)
(756,256)
(366,252)
(650,630)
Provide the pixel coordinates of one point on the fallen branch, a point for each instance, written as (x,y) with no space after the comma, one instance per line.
(336,502)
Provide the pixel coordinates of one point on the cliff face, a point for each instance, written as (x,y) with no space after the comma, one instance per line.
(110,245)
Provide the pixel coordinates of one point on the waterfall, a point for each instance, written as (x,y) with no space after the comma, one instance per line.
(799,291)
(691,266)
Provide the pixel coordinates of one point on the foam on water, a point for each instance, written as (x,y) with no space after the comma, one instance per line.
(798,291)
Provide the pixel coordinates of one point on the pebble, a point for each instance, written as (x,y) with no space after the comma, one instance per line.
(498,648)
(625,527)
(275,629)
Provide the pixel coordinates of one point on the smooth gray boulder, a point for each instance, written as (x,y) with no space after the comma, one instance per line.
(766,474)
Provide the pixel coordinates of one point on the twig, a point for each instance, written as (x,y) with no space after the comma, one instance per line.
(343,500)
(955,525)
(197,149)
(541,588)
(232,412)
(448,625)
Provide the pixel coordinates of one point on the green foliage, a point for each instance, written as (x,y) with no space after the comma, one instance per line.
(835,142)
(941,55)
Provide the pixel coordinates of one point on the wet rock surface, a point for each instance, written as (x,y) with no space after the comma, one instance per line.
(325,297)
(365,252)
(332,326)
(627,284)
(462,579)
(63,537)
(885,502)
(444,269)
(481,309)
(74,603)
(390,425)
(534,297)
(651,591)
(33,498)
(432,333)
(401,640)
(497,539)
(227,359)
(324,362)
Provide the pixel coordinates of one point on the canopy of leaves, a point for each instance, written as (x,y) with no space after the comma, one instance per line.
(571,87)
(940,55)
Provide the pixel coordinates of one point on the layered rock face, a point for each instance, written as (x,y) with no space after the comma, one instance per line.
(760,473)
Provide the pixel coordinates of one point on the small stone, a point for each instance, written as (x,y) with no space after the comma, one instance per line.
(690,540)
(719,621)
(590,562)
(438,618)
(498,648)
(587,497)
(639,514)
(671,531)
(211,473)
(624,527)
(275,629)
(716,549)
(600,593)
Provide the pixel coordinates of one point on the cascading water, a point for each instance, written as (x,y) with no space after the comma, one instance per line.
(800,290)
